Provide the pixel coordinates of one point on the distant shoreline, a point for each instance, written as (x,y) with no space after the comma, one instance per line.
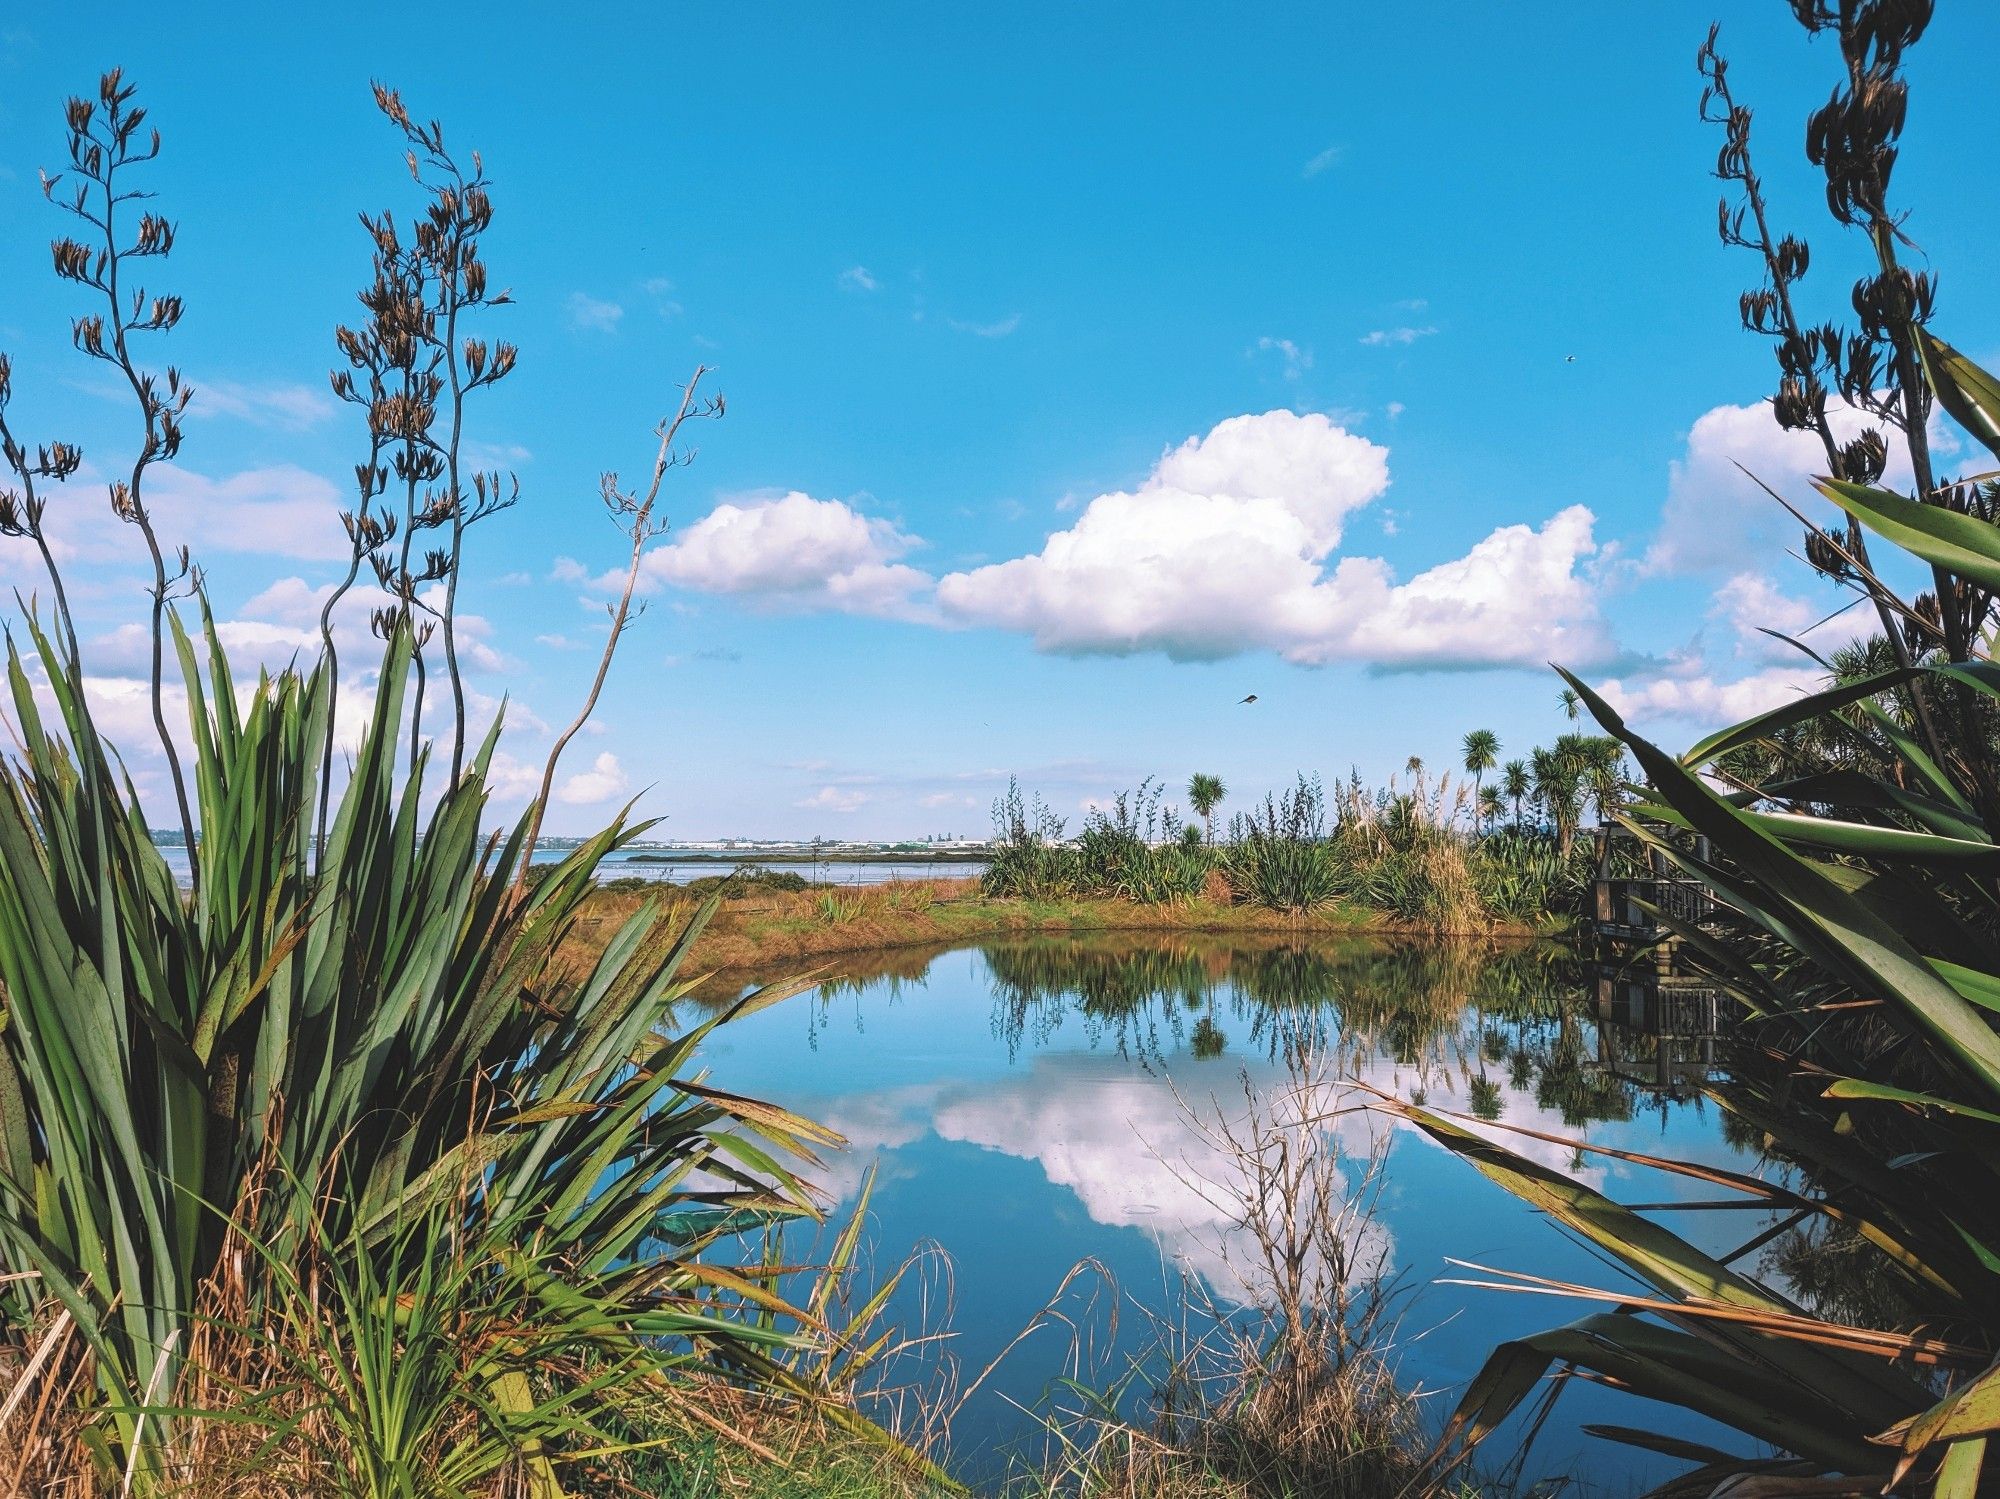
(874,856)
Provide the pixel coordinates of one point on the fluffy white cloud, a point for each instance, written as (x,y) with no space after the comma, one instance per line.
(1751,604)
(1227,546)
(1317,471)
(793,550)
(280,511)
(292,601)
(283,511)
(1693,694)
(858,278)
(1716,514)
(1225,549)
(605,779)
(1746,671)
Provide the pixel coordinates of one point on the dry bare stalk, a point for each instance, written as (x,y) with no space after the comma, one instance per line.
(45,1350)
(1284,1384)
(635,517)
(152,1392)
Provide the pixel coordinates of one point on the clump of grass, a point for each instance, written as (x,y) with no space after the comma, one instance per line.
(744,883)
(836,909)
(919,897)
(1135,849)
(1280,855)
(1523,876)
(1287,1384)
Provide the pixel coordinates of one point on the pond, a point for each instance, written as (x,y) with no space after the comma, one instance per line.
(1031,1105)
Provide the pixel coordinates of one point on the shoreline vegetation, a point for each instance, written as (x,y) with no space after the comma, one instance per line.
(761,859)
(759,928)
(1422,858)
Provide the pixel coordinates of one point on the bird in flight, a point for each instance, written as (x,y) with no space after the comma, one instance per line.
(1569,359)
(1250,699)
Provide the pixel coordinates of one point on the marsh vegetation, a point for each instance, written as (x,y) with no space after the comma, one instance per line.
(1429,853)
(374,1161)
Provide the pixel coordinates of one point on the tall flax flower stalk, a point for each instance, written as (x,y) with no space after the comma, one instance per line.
(1875,367)
(105,146)
(633,514)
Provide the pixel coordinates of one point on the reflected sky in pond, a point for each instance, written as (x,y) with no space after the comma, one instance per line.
(1032,1104)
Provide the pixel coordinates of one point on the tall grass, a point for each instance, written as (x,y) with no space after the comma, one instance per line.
(1410,855)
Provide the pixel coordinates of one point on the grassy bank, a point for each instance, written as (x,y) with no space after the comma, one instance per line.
(764,927)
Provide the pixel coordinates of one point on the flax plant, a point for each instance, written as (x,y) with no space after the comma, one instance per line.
(346,1073)
(1851,840)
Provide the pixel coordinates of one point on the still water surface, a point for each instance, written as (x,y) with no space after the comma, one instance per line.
(629,866)
(1026,1107)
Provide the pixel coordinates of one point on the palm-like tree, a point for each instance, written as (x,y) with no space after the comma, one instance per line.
(1482,753)
(1603,761)
(1557,777)
(1491,805)
(1572,705)
(1205,793)
(1515,784)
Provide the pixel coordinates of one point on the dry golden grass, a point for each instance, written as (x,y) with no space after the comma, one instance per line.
(762,929)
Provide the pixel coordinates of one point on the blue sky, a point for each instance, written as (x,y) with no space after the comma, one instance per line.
(1119,363)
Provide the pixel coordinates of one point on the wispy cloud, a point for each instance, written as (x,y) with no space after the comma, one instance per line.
(1387,338)
(834,799)
(1297,360)
(592,313)
(858,278)
(285,406)
(1000,329)
(661,291)
(1326,159)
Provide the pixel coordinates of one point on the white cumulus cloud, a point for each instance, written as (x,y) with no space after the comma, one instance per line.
(605,779)
(1227,546)
(1716,513)
(1695,695)
(793,550)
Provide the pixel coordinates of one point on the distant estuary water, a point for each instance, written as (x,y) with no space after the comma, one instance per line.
(1032,1104)
(640,866)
